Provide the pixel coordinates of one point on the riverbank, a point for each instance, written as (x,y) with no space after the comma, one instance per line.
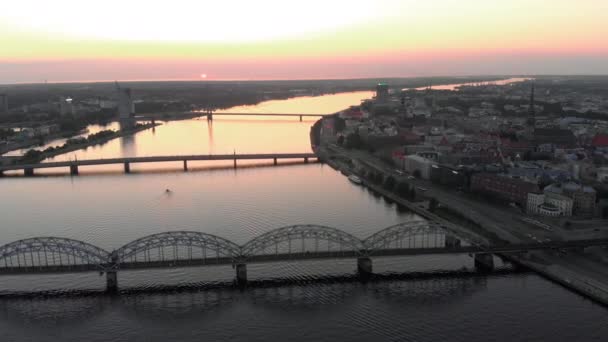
(542,263)
(36,141)
(78,146)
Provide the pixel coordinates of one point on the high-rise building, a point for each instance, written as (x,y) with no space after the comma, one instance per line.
(531,109)
(382,92)
(3,104)
(125,103)
(66,107)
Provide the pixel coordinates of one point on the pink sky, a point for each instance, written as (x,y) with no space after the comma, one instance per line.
(68,40)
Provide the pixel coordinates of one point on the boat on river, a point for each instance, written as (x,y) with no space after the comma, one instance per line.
(354,179)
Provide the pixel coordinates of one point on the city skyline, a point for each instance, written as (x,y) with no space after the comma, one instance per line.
(70,41)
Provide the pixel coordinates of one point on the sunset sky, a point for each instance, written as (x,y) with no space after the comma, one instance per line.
(75,40)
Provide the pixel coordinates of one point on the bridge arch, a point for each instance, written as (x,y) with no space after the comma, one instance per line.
(197,246)
(311,238)
(413,234)
(50,251)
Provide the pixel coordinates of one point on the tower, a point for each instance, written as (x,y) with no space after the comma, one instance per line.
(125,103)
(66,106)
(531,109)
(3,104)
(382,93)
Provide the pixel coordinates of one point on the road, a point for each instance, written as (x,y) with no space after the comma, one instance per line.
(507,223)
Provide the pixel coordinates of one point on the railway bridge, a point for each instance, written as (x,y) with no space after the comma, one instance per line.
(41,255)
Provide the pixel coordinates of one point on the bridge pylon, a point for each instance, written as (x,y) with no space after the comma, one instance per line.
(484,262)
(241,275)
(364,268)
(112,275)
(111,281)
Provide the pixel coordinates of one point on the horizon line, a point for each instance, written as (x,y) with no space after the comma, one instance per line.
(198,80)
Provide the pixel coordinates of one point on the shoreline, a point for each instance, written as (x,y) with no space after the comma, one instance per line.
(552,271)
(76,147)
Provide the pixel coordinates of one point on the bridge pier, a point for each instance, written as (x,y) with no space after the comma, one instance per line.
(209,117)
(111,282)
(235,163)
(451,241)
(300,118)
(74,170)
(186,165)
(305,160)
(127,168)
(28,171)
(484,262)
(275,161)
(364,268)
(241,275)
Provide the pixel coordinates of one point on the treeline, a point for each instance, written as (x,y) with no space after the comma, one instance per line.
(403,189)
(35,155)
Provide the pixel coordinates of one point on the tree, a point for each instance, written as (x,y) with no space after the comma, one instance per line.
(378,178)
(389,183)
(340,140)
(353,140)
(31,155)
(605,212)
(403,189)
(412,194)
(433,204)
(339,124)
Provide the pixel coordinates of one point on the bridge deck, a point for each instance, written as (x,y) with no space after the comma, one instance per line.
(302,256)
(269,114)
(156,159)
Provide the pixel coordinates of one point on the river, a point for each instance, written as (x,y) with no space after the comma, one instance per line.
(109,209)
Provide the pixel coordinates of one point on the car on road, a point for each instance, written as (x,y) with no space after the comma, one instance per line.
(399,172)
(411,177)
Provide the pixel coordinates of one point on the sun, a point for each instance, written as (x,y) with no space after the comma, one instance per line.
(203,76)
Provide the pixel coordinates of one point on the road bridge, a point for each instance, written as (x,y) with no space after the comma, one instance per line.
(301,116)
(210,114)
(73,165)
(299,242)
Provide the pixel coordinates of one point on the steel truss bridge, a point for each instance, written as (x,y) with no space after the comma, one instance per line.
(298,242)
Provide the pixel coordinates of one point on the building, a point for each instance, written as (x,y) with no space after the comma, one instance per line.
(126,108)
(3,104)
(549,204)
(446,175)
(505,188)
(602,174)
(66,106)
(328,132)
(583,197)
(382,92)
(600,140)
(554,136)
(418,166)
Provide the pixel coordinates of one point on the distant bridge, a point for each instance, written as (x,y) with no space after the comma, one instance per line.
(28,169)
(298,242)
(301,116)
(211,114)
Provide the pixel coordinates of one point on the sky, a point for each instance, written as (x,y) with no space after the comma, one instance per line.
(75,40)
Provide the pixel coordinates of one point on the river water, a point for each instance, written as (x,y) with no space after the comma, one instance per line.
(108,209)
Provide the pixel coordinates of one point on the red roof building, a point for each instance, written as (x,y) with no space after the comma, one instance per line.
(600,140)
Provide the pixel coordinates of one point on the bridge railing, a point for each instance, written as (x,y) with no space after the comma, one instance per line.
(183,247)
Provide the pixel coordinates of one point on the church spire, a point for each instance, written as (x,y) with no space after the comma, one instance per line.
(531,109)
